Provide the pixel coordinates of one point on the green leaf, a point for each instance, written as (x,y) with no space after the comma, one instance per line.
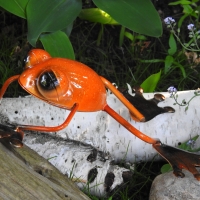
(139,16)
(130,36)
(152,61)
(172,45)
(187,9)
(97,15)
(16,7)
(151,82)
(49,16)
(181,20)
(58,45)
(166,168)
(134,37)
(68,29)
(168,62)
(182,2)
(121,36)
(140,37)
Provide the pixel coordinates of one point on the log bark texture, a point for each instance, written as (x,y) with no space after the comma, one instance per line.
(26,175)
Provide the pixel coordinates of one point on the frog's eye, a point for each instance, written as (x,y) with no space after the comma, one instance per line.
(35,57)
(48,85)
(53,85)
(48,81)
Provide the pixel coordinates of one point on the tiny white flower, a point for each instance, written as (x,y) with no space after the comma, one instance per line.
(190,27)
(169,20)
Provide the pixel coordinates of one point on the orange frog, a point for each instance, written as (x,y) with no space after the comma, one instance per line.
(71,85)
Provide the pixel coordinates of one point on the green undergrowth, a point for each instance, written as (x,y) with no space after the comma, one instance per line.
(129,63)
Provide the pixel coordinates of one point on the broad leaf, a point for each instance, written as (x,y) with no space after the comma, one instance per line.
(151,82)
(97,15)
(58,45)
(139,15)
(50,16)
(16,7)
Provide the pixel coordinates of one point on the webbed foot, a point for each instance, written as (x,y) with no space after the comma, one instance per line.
(179,159)
(148,108)
(15,137)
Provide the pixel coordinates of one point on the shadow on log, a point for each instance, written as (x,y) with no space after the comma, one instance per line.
(26,175)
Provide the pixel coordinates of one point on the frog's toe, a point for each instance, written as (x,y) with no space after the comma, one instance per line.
(4,134)
(178,172)
(158,98)
(169,109)
(16,142)
(197,176)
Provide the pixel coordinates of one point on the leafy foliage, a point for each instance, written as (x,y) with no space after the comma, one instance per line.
(16,7)
(135,15)
(45,16)
(56,16)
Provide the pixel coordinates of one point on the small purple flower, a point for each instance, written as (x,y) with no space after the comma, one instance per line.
(169,20)
(190,27)
(191,143)
(172,89)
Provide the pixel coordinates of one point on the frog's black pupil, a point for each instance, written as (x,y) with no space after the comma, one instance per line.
(48,80)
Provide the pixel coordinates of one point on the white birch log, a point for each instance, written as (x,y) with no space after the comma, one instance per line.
(88,168)
(101,131)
